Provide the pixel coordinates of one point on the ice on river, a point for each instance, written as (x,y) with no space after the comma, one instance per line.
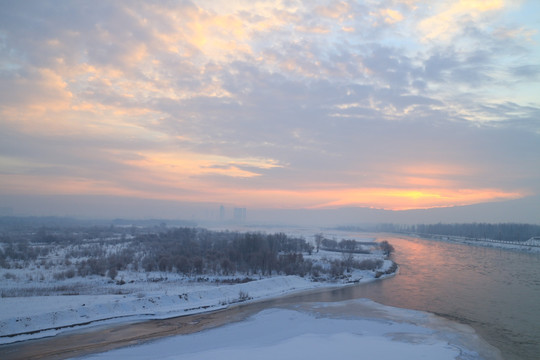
(356,329)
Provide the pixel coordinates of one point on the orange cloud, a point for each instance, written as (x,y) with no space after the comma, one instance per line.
(416,198)
(391,16)
(180,179)
(312,29)
(383,198)
(190,171)
(446,21)
(187,176)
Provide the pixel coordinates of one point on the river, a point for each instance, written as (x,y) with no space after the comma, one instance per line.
(497,292)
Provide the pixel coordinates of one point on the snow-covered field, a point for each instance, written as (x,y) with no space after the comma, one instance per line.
(358,329)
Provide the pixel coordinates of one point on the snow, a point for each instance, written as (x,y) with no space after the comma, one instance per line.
(82,302)
(27,316)
(23,318)
(357,329)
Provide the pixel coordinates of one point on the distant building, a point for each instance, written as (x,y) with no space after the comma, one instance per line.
(239,214)
(221,213)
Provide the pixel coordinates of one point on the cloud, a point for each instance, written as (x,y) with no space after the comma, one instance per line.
(269,105)
(526,71)
(390,16)
(334,10)
(451,16)
(38,90)
(420,198)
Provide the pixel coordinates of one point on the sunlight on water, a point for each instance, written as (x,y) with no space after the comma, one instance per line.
(495,291)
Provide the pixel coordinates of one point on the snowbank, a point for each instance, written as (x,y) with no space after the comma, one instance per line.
(40,316)
(347,330)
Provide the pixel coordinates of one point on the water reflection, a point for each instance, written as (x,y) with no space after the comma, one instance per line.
(495,291)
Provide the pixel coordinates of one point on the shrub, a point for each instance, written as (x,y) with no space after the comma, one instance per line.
(70,273)
(243,296)
(369,264)
(336,269)
(386,248)
(112,272)
(59,276)
(9,276)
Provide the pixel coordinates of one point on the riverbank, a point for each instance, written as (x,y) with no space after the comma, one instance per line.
(148,296)
(491,243)
(42,316)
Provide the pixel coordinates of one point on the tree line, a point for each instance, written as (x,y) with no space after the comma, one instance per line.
(502,231)
(188,251)
(194,251)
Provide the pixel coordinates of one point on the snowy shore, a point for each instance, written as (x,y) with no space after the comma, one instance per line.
(505,245)
(31,317)
(42,316)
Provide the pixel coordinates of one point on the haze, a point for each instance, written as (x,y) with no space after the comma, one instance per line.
(172,109)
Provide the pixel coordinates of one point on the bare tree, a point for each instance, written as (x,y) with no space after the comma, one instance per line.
(386,247)
(318,240)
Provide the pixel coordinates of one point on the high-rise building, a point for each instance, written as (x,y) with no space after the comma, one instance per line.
(239,214)
(221,213)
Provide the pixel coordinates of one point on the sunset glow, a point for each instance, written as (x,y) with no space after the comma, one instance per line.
(294,105)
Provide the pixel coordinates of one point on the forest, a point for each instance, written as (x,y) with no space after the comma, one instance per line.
(83,250)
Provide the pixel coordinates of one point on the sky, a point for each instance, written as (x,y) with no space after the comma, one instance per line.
(394,105)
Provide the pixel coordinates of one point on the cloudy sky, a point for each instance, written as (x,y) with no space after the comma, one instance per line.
(272,104)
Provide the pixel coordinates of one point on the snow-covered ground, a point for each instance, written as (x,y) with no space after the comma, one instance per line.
(82,302)
(358,329)
(40,316)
